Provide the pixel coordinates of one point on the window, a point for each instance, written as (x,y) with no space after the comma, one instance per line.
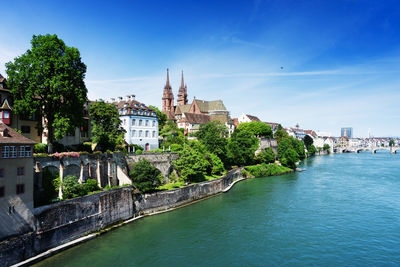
(134,112)
(6,115)
(133,122)
(147,122)
(140,133)
(28,151)
(154,134)
(154,123)
(21,151)
(25,129)
(13,152)
(20,171)
(147,134)
(147,113)
(133,133)
(2,191)
(140,122)
(141,112)
(1,173)
(6,152)
(20,189)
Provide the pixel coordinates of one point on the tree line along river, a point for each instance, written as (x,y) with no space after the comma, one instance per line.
(343,210)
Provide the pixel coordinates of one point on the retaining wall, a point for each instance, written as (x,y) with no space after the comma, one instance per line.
(65,221)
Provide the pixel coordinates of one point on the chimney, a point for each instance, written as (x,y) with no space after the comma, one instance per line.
(120,98)
(133,97)
(113,99)
(128,97)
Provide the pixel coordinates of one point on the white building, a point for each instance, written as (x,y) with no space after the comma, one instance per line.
(139,122)
(247,118)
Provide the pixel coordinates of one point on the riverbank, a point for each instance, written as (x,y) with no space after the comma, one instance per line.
(81,219)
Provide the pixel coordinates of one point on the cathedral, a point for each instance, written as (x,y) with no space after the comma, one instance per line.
(191,116)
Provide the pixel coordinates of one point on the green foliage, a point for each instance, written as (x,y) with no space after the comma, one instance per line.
(308,141)
(298,146)
(71,188)
(266,156)
(176,148)
(311,150)
(90,185)
(391,142)
(191,165)
(40,148)
(139,152)
(217,167)
(162,117)
(50,185)
(289,158)
(264,170)
(280,134)
(48,80)
(241,147)
(171,134)
(213,136)
(326,147)
(257,128)
(107,131)
(145,176)
(86,146)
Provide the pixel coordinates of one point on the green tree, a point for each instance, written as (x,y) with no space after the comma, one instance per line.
(106,125)
(326,147)
(145,176)
(391,142)
(171,134)
(280,134)
(217,167)
(48,80)
(71,188)
(308,141)
(241,147)
(162,117)
(257,128)
(289,158)
(311,150)
(213,136)
(266,156)
(191,165)
(298,146)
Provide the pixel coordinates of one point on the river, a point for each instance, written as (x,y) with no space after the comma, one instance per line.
(343,210)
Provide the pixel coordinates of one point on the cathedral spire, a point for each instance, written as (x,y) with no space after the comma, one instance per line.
(167,83)
(168,99)
(182,94)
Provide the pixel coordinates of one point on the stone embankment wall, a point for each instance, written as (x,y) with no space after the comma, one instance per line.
(163,162)
(65,221)
(267,142)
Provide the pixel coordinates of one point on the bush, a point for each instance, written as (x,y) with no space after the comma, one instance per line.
(86,146)
(176,148)
(40,148)
(191,165)
(145,176)
(266,156)
(264,170)
(217,167)
(139,152)
(91,185)
(71,188)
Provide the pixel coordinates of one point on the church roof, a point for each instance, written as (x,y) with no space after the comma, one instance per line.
(252,118)
(182,109)
(195,118)
(207,106)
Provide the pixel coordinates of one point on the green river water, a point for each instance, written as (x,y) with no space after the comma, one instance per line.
(344,210)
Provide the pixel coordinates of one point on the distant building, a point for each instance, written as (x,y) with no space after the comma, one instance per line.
(348,132)
(247,118)
(16,182)
(139,122)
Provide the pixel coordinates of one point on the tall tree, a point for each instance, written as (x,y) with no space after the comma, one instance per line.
(48,80)
(257,128)
(308,141)
(241,148)
(213,136)
(107,131)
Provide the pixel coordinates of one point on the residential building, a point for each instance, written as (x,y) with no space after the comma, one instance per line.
(247,118)
(16,182)
(139,121)
(348,132)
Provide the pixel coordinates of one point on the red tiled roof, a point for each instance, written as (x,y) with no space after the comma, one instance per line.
(252,118)
(9,136)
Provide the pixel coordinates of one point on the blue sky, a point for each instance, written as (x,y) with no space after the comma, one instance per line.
(322,64)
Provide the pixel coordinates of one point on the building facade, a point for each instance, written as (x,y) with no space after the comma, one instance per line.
(139,121)
(347,131)
(16,181)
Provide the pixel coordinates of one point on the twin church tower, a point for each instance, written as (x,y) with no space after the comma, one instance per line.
(168,97)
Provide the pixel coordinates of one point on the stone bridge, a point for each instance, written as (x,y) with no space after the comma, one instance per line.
(373,150)
(163,162)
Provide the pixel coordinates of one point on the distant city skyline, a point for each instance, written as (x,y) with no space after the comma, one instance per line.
(321,64)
